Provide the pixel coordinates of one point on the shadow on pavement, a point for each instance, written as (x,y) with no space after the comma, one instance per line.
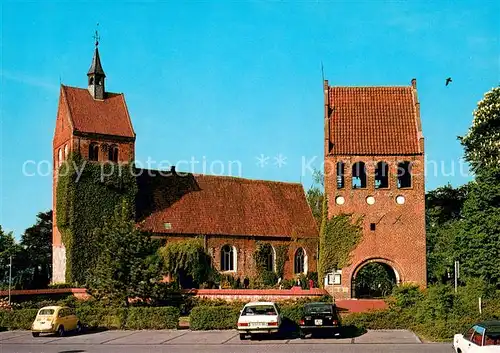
(290,330)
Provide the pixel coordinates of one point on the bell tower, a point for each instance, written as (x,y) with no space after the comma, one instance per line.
(96,75)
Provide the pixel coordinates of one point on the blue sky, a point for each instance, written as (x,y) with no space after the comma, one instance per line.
(231,81)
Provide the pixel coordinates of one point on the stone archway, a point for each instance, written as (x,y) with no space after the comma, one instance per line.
(374,278)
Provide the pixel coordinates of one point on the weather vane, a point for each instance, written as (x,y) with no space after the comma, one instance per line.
(96,36)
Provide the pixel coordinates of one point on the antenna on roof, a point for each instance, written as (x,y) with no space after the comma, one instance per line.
(322,73)
(96,35)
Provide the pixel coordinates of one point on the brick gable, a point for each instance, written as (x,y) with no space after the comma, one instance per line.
(105,117)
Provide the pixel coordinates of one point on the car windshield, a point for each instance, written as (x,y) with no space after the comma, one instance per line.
(46,312)
(492,338)
(259,310)
(318,308)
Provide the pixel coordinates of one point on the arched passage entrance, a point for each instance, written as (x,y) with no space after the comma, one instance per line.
(374,278)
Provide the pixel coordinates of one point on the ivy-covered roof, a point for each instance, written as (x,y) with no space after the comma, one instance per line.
(221,205)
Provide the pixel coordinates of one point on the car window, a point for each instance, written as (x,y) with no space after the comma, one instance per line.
(258,310)
(492,338)
(61,313)
(318,309)
(48,312)
(469,333)
(477,336)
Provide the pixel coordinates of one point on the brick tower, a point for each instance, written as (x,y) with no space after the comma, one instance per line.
(374,167)
(95,124)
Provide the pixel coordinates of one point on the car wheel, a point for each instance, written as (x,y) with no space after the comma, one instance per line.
(78,327)
(35,334)
(243,336)
(60,331)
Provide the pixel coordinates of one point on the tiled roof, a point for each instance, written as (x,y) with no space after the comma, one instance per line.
(108,116)
(204,204)
(373,121)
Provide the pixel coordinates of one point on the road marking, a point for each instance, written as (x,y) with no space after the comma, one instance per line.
(230,338)
(112,339)
(173,338)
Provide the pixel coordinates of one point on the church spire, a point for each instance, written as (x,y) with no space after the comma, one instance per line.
(96,74)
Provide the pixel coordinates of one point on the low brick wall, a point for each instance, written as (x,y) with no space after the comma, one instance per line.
(360,305)
(257,294)
(80,293)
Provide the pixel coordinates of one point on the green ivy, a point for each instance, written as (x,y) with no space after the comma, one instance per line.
(281,259)
(87,193)
(339,236)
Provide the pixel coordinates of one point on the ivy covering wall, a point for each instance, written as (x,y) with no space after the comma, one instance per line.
(87,193)
(339,236)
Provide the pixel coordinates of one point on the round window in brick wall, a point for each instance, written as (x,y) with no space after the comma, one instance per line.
(339,200)
(370,200)
(400,199)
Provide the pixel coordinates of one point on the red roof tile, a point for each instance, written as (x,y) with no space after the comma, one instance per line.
(108,116)
(204,204)
(373,121)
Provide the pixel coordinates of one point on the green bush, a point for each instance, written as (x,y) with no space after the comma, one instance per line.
(17,319)
(59,285)
(378,320)
(111,318)
(214,317)
(152,318)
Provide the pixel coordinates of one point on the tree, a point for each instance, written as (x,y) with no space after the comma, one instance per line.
(374,280)
(8,248)
(37,252)
(127,265)
(315,196)
(482,141)
(479,238)
(187,261)
(443,222)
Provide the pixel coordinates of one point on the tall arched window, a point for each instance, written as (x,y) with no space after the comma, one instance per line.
(404,174)
(382,175)
(299,261)
(228,258)
(270,258)
(66,151)
(94,151)
(340,175)
(113,153)
(59,157)
(358,175)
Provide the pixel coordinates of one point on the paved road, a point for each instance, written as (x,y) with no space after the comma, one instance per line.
(389,341)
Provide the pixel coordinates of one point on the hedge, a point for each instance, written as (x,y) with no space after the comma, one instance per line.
(214,317)
(224,317)
(152,318)
(17,319)
(135,318)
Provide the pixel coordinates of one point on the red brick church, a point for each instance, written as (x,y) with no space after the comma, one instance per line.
(231,214)
(370,133)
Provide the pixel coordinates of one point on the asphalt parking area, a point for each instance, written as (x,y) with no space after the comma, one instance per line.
(186,337)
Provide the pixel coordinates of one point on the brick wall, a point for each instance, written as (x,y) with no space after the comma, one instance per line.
(245,248)
(399,236)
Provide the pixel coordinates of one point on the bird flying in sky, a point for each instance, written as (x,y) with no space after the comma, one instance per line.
(448,80)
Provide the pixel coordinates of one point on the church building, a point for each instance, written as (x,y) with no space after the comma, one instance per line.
(232,215)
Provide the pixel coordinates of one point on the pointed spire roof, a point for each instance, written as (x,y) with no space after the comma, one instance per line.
(96,67)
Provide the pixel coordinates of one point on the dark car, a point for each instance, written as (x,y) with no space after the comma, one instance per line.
(319,318)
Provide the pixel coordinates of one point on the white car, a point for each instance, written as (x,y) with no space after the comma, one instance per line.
(482,337)
(259,317)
